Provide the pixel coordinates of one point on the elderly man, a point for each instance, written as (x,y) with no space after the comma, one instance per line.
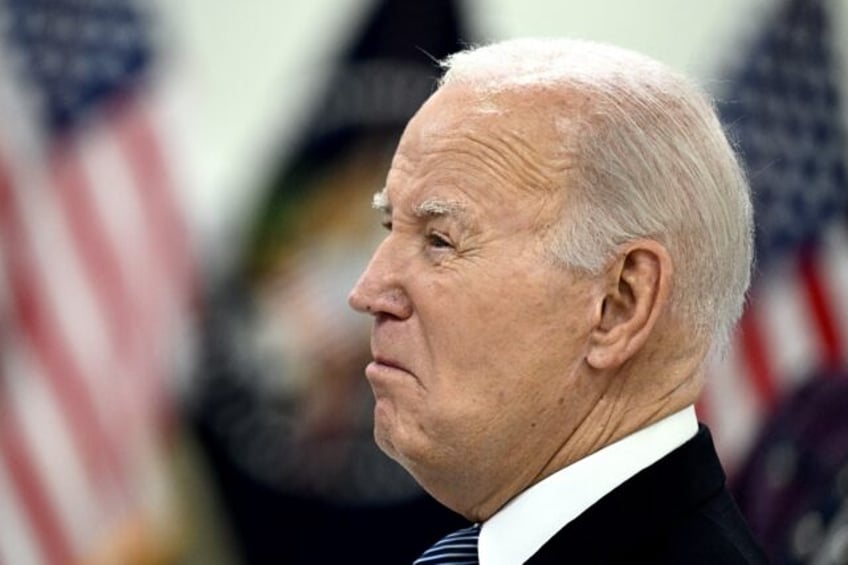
(569,237)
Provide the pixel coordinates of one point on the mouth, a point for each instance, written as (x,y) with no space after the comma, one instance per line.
(389,363)
(384,369)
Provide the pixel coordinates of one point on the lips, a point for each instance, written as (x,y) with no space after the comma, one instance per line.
(384,370)
(389,362)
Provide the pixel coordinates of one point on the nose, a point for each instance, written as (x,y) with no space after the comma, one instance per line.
(380,289)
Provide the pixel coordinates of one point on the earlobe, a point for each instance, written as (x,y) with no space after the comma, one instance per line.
(638,284)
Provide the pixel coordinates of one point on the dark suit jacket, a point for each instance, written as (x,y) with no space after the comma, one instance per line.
(677,511)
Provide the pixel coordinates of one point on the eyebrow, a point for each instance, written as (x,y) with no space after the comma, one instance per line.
(435,208)
(380,202)
(430,208)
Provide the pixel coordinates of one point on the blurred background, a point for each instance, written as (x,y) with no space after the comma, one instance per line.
(185,201)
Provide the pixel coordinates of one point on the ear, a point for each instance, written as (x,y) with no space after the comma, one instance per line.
(638,285)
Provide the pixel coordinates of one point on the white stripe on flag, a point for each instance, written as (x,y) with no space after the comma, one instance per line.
(17,545)
(788,330)
(33,408)
(834,267)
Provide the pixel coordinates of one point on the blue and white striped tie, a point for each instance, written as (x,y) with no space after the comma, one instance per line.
(458,548)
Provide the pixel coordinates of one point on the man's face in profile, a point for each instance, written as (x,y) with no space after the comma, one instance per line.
(478,333)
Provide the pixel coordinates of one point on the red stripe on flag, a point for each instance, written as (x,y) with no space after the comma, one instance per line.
(41,516)
(158,196)
(31,316)
(100,264)
(159,207)
(820,309)
(754,355)
(106,274)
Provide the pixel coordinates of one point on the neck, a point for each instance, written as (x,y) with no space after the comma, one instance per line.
(604,407)
(631,399)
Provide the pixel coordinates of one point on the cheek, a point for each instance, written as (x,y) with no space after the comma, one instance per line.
(486,335)
(487,328)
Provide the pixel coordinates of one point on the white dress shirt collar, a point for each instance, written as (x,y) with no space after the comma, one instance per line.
(521,528)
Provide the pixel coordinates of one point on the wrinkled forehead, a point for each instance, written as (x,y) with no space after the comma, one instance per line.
(465,155)
(527,115)
(517,134)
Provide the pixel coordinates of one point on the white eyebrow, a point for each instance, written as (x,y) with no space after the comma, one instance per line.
(437,208)
(434,207)
(380,202)
(430,208)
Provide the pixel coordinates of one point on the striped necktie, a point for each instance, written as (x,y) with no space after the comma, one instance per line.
(458,548)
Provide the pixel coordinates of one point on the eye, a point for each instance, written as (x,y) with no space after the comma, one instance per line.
(438,241)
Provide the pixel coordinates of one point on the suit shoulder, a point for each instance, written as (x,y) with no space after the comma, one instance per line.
(716,534)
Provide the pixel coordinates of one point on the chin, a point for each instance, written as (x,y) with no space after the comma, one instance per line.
(397,450)
(381,438)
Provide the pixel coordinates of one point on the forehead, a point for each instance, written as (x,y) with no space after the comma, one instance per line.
(502,150)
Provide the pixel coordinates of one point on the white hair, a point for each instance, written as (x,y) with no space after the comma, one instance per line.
(652,161)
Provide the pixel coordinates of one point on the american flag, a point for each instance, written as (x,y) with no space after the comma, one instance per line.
(95,282)
(782,107)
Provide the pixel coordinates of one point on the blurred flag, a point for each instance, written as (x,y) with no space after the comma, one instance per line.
(95,281)
(782,106)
